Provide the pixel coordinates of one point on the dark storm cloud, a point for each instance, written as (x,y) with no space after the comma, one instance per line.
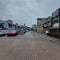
(26,11)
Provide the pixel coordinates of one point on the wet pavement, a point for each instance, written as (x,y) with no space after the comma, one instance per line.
(29,47)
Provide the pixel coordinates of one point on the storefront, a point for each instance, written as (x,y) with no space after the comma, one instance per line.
(56,18)
(46,25)
(55,24)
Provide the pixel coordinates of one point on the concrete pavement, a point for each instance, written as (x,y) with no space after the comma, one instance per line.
(29,47)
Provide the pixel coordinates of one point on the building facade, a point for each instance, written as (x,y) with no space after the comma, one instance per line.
(3,24)
(40,21)
(34,27)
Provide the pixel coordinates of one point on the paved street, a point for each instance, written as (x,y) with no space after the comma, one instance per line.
(29,47)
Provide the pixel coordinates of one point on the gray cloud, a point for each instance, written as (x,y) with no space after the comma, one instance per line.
(26,11)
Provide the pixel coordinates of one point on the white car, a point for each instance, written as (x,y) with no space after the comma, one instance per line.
(3,32)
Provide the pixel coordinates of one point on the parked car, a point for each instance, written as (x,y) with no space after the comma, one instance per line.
(21,31)
(12,32)
(3,28)
(3,32)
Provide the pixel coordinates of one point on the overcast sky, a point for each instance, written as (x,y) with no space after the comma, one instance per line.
(27,11)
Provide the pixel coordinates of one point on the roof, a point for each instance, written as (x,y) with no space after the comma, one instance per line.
(41,18)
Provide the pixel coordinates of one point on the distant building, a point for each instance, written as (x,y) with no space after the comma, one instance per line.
(10,24)
(47,24)
(34,27)
(40,21)
(3,24)
(9,21)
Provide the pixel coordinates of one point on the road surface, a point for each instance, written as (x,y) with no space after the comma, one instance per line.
(29,47)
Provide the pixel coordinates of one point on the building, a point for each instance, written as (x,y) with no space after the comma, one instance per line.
(54,30)
(34,27)
(47,24)
(56,18)
(9,21)
(3,25)
(40,21)
(10,24)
